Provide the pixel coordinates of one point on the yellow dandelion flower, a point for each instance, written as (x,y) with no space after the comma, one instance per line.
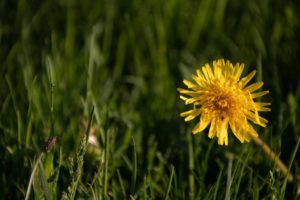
(221,99)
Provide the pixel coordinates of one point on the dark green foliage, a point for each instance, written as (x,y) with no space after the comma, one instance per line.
(125,59)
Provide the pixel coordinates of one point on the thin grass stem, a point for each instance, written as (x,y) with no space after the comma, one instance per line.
(134,170)
(169,184)
(191,167)
(32,175)
(106,152)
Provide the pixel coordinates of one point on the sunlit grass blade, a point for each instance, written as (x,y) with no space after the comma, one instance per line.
(283,188)
(121,184)
(170,183)
(134,170)
(218,182)
(106,156)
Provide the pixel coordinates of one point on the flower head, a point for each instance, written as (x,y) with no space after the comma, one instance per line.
(221,99)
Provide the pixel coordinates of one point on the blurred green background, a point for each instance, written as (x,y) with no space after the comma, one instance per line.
(126,58)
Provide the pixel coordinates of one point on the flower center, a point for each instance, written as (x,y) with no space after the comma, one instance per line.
(221,104)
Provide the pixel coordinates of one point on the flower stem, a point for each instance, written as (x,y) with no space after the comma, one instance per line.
(279,164)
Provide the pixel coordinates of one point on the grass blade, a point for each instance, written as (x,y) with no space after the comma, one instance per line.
(134,170)
(170,183)
(218,184)
(282,190)
(191,163)
(106,154)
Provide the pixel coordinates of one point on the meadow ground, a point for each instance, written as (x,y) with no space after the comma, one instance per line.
(111,69)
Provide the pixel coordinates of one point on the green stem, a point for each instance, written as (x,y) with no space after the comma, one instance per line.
(191,166)
(170,183)
(106,152)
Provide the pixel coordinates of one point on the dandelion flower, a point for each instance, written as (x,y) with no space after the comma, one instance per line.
(222,99)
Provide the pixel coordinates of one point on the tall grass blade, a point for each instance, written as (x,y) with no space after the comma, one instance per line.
(170,183)
(134,170)
(282,190)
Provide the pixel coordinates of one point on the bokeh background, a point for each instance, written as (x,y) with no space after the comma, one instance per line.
(126,58)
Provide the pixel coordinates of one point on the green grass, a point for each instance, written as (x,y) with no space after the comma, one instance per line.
(124,60)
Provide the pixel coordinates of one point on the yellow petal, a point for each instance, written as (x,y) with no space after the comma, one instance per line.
(207,72)
(199,80)
(259,94)
(235,131)
(239,71)
(190,92)
(251,131)
(243,82)
(253,87)
(263,104)
(211,71)
(199,74)
(219,62)
(256,118)
(217,71)
(183,98)
(189,84)
(196,100)
(222,134)
(228,68)
(262,121)
(204,122)
(190,112)
(263,109)
(212,129)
